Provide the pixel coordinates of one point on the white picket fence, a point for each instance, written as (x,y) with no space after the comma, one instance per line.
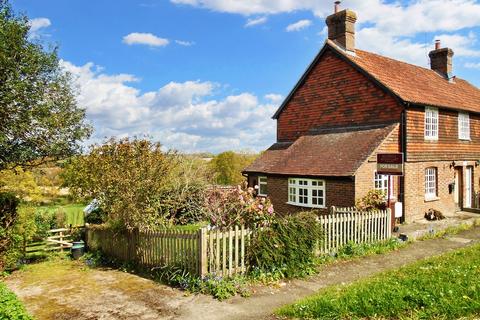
(344,225)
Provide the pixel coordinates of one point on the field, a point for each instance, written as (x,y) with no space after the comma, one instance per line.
(73,213)
(444,287)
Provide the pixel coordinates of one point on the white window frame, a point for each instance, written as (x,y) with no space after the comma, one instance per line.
(431,183)
(380,183)
(262,180)
(463,126)
(431,123)
(301,192)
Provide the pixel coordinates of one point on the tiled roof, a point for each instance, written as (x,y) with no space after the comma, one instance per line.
(419,85)
(335,153)
(411,83)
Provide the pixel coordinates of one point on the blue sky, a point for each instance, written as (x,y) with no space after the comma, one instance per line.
(206,75)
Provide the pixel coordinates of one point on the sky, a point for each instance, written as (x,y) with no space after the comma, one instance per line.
(207,75)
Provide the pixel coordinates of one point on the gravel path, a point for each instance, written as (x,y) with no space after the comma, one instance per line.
(80,293)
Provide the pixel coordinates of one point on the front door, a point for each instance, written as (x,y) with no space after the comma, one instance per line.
(458,194)
(468,187)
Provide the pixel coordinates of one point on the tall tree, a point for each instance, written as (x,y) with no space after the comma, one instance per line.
(228,167)
(39,116)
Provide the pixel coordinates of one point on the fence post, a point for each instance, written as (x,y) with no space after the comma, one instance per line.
(202,252)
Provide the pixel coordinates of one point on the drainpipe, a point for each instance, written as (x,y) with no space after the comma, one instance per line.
(403,141)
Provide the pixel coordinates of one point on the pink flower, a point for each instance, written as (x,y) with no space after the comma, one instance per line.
(270,209)
(260,207)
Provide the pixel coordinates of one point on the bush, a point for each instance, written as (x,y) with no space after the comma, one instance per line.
(8,219)
(374,200)
(287,246)
(10,307)
(97,216)
(238,206)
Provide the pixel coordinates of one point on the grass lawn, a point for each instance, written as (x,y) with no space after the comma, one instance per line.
(444,287)
(73,213)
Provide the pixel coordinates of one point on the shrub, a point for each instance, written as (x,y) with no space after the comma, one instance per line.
(127,177)
(8,219)
(10,307)
(287,246)
(374,200)
(238,206)
(97,216)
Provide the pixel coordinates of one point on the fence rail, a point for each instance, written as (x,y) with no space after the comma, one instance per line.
(224,252)
(344,225)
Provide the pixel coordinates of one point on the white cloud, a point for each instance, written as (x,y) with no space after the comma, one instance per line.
(389,28)
(255,22)
(148,39)
(37,24)
(299,25)
(184,116)
(185,43)
(274,98)
(472,65)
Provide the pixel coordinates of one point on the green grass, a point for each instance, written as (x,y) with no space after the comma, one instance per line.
(73,213)
(10,307)
(444,287)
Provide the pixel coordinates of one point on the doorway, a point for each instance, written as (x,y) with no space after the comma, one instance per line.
(458,194)
(468,187)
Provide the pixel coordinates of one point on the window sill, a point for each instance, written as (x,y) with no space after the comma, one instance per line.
(431,199)
(306,205)
(262,195)
(431,139)
(464,139)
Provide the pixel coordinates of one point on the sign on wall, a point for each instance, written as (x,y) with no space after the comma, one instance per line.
(390,164)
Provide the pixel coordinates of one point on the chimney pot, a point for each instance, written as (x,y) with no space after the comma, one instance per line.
(337,6)
(437,44)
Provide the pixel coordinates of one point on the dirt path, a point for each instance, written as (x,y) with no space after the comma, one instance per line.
(73,292)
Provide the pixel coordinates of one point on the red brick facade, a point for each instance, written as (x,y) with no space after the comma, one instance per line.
(335,94)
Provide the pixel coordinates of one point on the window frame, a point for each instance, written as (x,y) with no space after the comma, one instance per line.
(383,179)
(301,192)
(431,123)
(431,176)
(463,126)
(260,183)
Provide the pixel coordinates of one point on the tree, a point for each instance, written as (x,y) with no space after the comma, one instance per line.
(228,167)
(127,177)
(39,117)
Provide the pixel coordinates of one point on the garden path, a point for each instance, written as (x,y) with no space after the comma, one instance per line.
(53,290)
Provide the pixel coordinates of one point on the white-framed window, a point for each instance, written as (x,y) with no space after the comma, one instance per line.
(430,183)
(381,183)
(306,192)
(262,186)
(431,123)
(463,126)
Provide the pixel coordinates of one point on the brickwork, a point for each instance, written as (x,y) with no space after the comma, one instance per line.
(415,202)
(339,192)
(335,94)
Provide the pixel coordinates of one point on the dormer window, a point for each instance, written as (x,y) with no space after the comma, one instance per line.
(463,126)
(431,123)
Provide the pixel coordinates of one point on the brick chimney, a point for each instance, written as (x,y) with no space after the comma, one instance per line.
(341,28)
(441,60)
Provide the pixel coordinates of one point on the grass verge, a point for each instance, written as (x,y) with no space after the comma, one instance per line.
(444,287)
(10,307)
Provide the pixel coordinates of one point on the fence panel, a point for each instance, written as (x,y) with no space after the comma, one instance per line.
(344,225)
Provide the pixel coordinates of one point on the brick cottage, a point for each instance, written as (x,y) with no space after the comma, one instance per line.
(350,105)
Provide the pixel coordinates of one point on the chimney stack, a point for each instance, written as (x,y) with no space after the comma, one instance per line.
(441,60)
(341,28)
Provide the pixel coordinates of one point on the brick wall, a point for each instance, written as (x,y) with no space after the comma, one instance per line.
(335,94)
(339,192)
(415,203)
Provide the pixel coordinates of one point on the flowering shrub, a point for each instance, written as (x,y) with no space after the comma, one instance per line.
(374,200)
(237,206)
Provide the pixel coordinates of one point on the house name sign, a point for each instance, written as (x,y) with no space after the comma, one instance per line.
(390,164)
